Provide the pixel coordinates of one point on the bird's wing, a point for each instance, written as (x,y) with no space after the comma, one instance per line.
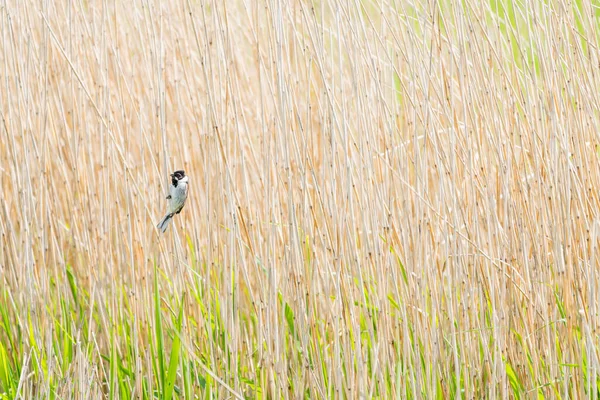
(178,196)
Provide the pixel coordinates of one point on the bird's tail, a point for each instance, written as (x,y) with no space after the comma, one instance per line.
(162,225)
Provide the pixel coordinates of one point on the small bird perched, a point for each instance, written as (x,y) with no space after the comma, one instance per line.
(178,191)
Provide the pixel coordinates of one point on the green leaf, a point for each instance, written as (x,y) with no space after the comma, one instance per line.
(175,352)
(393,302)
(513,380)
(289,317)
(159,333)
(4,369)
(559,303)
(72,285)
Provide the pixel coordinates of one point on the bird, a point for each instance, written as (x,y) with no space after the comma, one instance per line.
(178,192)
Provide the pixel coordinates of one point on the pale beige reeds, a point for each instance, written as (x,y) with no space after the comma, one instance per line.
(388,198)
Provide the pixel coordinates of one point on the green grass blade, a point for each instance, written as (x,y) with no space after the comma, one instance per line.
(160,351)
(175,353)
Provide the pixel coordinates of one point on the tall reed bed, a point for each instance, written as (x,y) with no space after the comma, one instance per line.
(389,199)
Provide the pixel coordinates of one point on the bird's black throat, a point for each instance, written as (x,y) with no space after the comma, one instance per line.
(177,176)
